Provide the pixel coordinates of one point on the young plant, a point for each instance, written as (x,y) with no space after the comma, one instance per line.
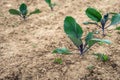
(102,57)
(75,32)
(51,5)
(23,11)
(101,21)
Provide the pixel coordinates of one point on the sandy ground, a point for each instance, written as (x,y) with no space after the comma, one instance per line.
(26,46)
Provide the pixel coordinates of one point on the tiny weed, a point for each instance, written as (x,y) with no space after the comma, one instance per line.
(58,61)
(101,57)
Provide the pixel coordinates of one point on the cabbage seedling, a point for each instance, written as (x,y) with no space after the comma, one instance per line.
(101,21)
(23,11)
(51,5)
(75,32)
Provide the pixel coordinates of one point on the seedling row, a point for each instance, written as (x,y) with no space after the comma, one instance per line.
(75,32)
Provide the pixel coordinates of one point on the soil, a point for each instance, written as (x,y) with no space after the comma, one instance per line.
(26,46)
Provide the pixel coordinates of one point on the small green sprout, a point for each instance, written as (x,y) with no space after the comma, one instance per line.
(101,21)
(101,57)
(23,11)
(74,32)
(61,51)
(118,28)
(51,5)
(58,61)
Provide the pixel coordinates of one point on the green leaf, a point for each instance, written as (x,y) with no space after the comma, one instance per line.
(115,19)
(73,30)
(48,2)
(58,61)
(36,11)
(14,12)
(61,51)
(89,37)
(91,43)
(76,41)
(102,57)
(93,14)
(23,9)
(95,40)
(118,28)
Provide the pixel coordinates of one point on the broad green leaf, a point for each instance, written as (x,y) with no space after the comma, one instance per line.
(115,19)
(105,41)
(61,51)
(48,2)
(73,30)
(93,14)
(77,42)
(118,28)
(95,40)
(91,43)
(23,9)
(36,11)
(89,37)
(14,12)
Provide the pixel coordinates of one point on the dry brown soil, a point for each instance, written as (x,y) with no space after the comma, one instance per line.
(26,46)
